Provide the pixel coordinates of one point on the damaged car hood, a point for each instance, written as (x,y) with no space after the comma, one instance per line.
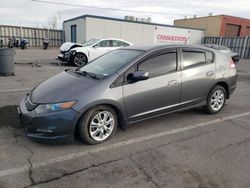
(68,45)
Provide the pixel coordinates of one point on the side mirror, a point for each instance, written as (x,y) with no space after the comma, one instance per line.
(96,46)
(138,76)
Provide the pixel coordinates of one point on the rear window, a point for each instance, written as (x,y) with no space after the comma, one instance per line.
(193,58)
(118,43)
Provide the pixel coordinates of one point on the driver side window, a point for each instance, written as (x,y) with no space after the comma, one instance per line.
(160,64)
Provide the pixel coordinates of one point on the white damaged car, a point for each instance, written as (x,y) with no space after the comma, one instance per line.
(80,54)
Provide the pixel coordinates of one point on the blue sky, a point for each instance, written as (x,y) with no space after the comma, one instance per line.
(30,13)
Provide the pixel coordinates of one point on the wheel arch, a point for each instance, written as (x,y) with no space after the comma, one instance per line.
(225,85)
(81,50)
(84,53)
(73,56)
(74,46)
(121,116)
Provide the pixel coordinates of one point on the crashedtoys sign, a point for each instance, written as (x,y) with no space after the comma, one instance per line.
(177,35)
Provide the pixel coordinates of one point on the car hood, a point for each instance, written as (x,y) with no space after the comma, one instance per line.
(81,49)
(67,46)
(62,87)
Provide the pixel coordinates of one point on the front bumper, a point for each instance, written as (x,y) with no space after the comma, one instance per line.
(65,56)
(57,126)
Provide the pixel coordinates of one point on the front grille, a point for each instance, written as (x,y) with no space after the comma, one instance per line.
(62,52)
(29,104)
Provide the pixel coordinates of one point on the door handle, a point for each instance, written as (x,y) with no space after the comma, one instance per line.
(210,73)
(172,83)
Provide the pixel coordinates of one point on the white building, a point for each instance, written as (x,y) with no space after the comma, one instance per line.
(83,28)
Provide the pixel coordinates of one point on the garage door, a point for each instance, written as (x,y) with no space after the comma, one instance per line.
(248,31)
(232,30)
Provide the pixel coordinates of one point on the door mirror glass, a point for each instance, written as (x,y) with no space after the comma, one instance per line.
(96,46)
(138,76)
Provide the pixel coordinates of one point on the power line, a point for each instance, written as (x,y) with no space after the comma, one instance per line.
(114,9)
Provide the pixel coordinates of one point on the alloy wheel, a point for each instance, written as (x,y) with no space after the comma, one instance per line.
(80,59)
(217,100)
(101,126)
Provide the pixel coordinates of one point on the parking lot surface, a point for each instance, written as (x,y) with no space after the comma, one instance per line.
(186,149)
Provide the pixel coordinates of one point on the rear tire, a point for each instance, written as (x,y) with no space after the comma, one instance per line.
(98,125)
(216,100)
(79,59)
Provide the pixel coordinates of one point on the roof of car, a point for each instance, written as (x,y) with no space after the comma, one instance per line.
(109,39)
(217,47)
(211,45)
(151,47)
(115,39)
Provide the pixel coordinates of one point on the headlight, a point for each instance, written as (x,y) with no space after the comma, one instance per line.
(72,52)
(46,108)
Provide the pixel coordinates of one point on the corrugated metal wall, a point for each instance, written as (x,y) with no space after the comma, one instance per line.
(240,45)
(33,35)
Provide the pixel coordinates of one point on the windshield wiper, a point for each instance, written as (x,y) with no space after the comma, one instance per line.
(93,75)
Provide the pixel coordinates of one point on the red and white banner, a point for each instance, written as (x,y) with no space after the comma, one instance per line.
(177,35)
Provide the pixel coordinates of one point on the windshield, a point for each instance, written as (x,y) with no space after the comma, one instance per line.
(90,42)
(111,62)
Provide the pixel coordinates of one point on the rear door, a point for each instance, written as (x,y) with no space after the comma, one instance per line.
(198,75)
(158,94)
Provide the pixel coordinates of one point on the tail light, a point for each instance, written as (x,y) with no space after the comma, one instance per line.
(232,64)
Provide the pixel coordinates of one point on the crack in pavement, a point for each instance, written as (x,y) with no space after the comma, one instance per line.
(231,144)
(72,173)
(176,141)
(228,146)
(30,154)
(33,183)
(243,141)
(238,125)
(148,177)
(220,149)
(96,165)
(163,145)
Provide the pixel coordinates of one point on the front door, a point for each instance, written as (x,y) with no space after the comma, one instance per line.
(158,94)
(101,48)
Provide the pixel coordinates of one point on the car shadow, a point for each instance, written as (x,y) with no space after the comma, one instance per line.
(9,118)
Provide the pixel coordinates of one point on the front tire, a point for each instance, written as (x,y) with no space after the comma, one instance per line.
(79,59)
(98,125)
(216,100)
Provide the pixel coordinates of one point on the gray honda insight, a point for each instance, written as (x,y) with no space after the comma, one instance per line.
(126,86)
